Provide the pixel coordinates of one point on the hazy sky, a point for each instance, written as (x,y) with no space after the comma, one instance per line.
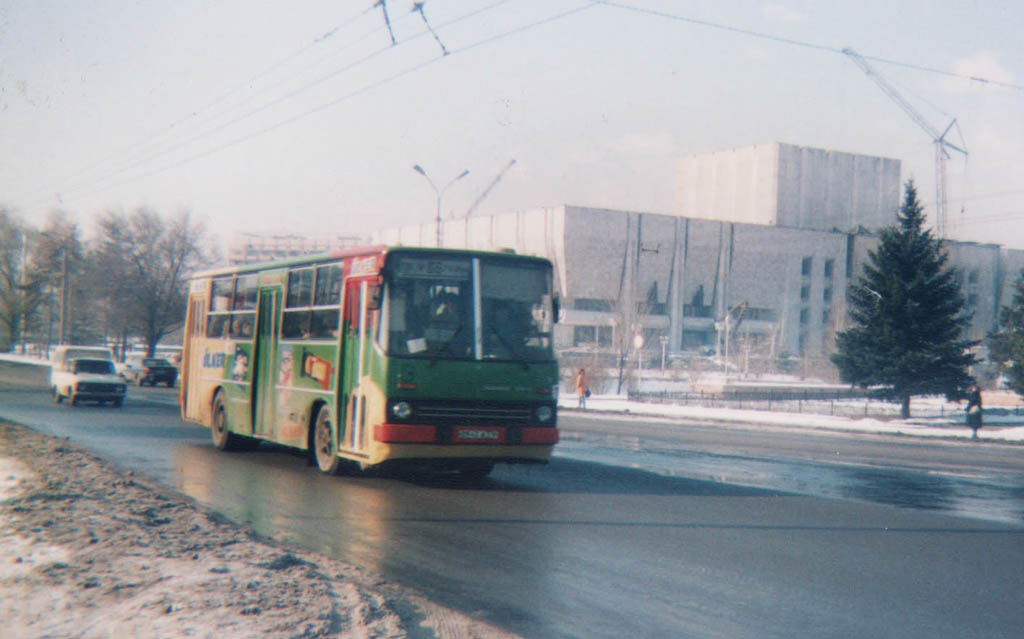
(271,116)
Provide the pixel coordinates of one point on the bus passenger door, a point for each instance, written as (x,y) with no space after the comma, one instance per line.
(263,396)
(189,398)
(351,435)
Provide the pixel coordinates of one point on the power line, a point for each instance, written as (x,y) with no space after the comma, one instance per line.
(802,43)
(162,149)
(173,128)
(334,102)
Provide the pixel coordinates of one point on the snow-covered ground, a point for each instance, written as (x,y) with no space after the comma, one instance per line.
(934,416)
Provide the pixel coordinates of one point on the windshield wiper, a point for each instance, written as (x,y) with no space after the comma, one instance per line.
(446,347)
(517,353)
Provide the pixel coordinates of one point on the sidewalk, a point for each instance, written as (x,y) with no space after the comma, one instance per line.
(998,426)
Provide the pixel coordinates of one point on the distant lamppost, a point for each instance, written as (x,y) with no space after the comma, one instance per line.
(439,193)
(65,296)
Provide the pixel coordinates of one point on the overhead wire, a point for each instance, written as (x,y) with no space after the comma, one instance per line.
(347,96)
(197,114)
(803,43)
(135,163)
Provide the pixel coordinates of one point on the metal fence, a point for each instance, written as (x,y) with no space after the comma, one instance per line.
(838,402)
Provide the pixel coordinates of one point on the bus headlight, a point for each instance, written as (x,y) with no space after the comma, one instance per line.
(401,410)
(544,414)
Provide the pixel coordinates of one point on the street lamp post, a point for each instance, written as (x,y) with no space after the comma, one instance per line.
(65,295)
(439,194)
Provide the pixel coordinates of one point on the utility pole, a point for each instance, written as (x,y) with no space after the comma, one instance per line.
(65,298)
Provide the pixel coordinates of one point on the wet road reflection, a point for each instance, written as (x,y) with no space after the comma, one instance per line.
(519,549)
(989,496)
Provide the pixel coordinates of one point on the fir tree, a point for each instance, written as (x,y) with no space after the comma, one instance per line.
(908,316)
(1007,345)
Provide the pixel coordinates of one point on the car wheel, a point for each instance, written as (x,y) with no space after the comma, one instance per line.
(57,397)
(223,438)
(323,442)
(117,402)
(74,400)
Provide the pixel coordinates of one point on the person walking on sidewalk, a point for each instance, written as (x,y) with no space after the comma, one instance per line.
(974,409)
(582,388)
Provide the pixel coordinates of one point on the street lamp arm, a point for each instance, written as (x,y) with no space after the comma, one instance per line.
(419,169)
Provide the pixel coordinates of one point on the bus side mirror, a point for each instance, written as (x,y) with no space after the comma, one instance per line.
(556,307)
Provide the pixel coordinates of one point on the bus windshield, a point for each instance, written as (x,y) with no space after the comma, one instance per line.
(455,307)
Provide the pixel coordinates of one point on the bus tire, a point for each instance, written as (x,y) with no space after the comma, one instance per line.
(223,438)
(324,451)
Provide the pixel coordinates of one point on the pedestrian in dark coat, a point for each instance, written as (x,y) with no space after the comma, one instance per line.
(974,409)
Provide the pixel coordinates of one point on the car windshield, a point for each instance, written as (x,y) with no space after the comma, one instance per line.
(98,366)
(467,308)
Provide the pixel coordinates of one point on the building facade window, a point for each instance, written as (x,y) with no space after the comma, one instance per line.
(805,315)
(807,266)
(584,335)
(805,292)
(592,304)
(830,267)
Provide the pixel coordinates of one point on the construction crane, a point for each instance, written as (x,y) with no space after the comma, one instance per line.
(938,139)
(493,183)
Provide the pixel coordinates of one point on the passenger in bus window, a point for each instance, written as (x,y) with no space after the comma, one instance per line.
(243,326)
(324,324)
(218,326)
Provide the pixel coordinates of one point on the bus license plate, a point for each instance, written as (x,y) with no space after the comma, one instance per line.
(478,435)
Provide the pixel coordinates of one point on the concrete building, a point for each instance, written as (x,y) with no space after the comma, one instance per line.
(792,186)
(768,277)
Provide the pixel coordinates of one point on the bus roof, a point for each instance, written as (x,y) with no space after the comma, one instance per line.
(354,252)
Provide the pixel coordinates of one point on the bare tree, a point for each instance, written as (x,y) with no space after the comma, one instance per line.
(59,253)
(21,280)
(149,261)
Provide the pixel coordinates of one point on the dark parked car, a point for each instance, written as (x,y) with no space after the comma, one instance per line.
(156,370)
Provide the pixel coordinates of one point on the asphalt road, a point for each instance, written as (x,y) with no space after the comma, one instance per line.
(583,549)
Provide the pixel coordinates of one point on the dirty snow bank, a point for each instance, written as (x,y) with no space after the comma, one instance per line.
(88,552)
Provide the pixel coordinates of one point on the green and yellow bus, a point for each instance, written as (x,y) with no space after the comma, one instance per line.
(380,356)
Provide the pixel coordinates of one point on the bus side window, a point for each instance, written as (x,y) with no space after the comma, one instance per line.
(352,306)
(295,324)
(195,320)
(242,325)
(324,323)
(217,325)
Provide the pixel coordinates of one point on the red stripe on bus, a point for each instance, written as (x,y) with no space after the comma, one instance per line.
(404,433)
(540,435)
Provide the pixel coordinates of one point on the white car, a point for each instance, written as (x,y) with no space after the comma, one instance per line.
(88,380)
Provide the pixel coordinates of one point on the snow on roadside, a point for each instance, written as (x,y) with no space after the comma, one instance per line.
(1009,428)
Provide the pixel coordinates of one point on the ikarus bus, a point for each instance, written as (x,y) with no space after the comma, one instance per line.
(429,358)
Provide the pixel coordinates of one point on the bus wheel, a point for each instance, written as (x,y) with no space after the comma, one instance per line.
(323,442)
(222,437)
